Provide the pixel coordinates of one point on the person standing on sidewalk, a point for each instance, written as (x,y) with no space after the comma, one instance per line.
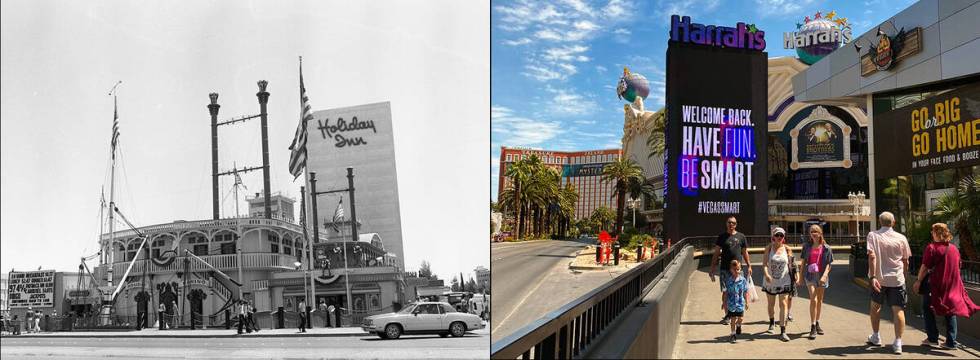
(160,311)
(778,282)
(728,247)
(29,320)
(888,260)
(736,296)
(302,316)
(815,259)
(330,314)
(942,291)
(251,316)
(326,315)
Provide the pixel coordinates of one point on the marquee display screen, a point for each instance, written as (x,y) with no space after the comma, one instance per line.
(716,140)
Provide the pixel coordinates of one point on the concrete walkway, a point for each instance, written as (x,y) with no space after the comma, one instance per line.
(844,319)
(187,333)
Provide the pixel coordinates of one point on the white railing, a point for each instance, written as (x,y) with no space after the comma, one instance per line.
(260,285)
(818,207)
(208,224)
(256,261)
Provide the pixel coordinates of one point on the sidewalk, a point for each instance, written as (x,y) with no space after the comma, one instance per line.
(844,319)
(208,333)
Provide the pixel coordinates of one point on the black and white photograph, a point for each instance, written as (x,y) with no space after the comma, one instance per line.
(251,180)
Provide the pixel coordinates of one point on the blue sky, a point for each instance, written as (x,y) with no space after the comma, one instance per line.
(555,64)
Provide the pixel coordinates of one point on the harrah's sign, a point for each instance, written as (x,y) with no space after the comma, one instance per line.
(741,36)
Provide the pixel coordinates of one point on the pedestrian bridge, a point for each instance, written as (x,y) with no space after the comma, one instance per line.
(669,308)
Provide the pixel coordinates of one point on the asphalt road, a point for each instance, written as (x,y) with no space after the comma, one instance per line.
(521,274)
(472,346)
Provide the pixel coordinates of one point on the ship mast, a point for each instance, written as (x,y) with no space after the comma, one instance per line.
(112,184)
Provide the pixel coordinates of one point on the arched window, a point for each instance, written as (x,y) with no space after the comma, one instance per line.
(131,250)
(274,242)
(198,244)
(287,246)
(226,241)
(299,249)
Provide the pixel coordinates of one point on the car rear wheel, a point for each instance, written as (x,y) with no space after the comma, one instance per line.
(393,331)
(457,329)
(381,334)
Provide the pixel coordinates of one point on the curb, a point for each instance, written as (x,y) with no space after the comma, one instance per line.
(861,282)
(201,336)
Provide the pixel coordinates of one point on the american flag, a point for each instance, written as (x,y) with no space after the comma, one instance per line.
(297,159)
(115,127)
(338,215)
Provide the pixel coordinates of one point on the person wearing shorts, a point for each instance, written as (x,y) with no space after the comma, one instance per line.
(736,297)
(729,246)
(815,260)
(888,260)
(778,281)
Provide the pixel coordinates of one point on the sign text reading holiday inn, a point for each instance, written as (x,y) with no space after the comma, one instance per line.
(741,36)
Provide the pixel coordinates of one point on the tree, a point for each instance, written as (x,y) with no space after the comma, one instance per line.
(455,286)
(471,286)
(601,219)
(656,142)
(540,205)
(425,271)
(626,175)
(961,208)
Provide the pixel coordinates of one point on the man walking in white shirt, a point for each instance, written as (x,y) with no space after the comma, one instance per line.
(888,260)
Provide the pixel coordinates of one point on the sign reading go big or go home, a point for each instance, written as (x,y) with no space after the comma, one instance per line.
(941,132)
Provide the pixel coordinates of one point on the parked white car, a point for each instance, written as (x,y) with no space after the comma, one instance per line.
(422,318)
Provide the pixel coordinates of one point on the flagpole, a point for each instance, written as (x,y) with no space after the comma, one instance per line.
(106,310)
(311,300)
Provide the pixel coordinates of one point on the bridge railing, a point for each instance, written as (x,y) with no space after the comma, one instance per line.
(568,331)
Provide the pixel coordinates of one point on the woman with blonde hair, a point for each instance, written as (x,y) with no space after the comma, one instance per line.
(941,287)
(815,260)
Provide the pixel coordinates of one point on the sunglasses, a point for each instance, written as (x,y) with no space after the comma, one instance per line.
(779,235)
(732,223)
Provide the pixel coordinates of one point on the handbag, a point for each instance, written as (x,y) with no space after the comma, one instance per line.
(924,283)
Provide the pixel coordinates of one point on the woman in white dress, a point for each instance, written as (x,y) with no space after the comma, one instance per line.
(778,281)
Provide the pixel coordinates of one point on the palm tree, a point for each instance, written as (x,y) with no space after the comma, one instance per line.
(961,208)
(656,142)
(626,174)
(518,173)
(601,218)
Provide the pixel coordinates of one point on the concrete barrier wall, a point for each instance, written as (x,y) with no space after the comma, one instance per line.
(666,302)
(650,329)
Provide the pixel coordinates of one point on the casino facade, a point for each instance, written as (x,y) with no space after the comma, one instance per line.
(917,77)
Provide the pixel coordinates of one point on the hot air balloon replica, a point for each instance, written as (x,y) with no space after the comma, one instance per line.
(632,85)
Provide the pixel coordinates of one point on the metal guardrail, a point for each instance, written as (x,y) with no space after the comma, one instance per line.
(969,270)
(568,331)
(572,328)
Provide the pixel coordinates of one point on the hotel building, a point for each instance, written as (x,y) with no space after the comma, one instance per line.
(581,169)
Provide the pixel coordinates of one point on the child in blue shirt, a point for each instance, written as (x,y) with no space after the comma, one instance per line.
(736,298)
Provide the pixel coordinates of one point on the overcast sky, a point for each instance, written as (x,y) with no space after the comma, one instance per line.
(60,58)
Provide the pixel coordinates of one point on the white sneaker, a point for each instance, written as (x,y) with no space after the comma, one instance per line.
(897,346)
(874,339)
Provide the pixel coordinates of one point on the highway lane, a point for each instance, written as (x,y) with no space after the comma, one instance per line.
(518,272)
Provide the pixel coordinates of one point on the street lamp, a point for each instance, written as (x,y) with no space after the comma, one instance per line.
(633,204)
(298,265)
(857,199)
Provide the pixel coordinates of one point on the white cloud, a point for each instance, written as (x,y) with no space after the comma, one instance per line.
(515,130)
(567,102)
(782,7)
(521,41)
(548,34)
(616,8)
(601,69)
(586,25)
(566,53)
(542,73)
(584,122)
